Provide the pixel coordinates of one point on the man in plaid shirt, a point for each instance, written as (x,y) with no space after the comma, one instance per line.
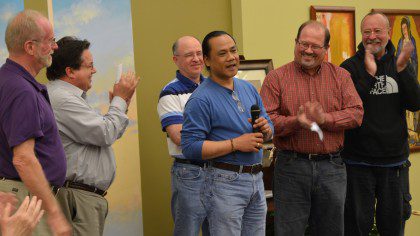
(309,175)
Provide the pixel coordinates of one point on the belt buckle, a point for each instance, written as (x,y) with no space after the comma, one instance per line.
(310,156)
(55,190)
(96,190)
(241,168)
(252,169)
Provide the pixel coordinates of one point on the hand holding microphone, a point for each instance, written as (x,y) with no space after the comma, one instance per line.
(252,142)
(259,124)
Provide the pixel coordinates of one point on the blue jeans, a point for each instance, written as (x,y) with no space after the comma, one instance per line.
(235,203)
(188,211)
(309,192)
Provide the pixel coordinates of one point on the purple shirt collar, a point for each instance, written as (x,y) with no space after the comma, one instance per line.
(25,74)
(17,68)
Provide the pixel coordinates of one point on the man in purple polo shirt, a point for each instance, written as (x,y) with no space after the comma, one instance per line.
(32,160)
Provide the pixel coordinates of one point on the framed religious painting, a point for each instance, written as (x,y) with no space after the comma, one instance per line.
(254,71)
(405,26)
(340,21)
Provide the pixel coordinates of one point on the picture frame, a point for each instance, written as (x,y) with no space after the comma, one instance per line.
(341,23)
(398,33)
(254,71)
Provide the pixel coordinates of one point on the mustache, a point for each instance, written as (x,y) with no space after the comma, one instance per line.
(373,41)
(308,54)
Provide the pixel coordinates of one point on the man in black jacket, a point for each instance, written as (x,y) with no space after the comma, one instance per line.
(376,154)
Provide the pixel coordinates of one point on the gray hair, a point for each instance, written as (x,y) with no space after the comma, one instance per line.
(175,47)
(21,28)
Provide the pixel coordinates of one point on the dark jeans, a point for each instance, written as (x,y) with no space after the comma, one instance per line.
(311,192)
(388,188)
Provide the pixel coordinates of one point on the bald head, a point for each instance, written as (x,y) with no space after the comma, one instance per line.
(24,26)
(379,16)
(184,40)
(188,57)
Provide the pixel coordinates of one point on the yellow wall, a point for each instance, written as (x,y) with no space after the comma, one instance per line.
(413,225)
(156,25)
(43,6)
(269,27)
(39,5)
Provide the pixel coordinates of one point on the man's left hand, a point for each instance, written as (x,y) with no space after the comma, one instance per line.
(24,220)
(262,125)
(315,112)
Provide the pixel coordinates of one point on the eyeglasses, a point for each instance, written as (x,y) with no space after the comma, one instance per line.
(52,41)
(238,102)
(305,45)
(190,55)
(90,67)
(376,32)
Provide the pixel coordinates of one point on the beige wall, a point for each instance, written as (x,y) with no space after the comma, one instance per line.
(269,27)
(156,25)
(44,7)
(413,225)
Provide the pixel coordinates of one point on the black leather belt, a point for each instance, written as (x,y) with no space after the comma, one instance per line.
(14,179)
(191,162)
(85,187)
(254,169)
(313,157)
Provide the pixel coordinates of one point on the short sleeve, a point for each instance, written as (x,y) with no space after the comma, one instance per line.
(22,119)
(170,111)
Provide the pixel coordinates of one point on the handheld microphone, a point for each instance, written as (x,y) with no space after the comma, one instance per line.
(255,113)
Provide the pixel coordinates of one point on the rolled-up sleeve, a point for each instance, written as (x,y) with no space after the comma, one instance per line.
(196,127)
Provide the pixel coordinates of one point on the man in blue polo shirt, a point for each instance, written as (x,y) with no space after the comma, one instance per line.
(31,154)
(217,126)
(187,175)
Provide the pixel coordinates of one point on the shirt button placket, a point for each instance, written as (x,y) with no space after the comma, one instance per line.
(311,89)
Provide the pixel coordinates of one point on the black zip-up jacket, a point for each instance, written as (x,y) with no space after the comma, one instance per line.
(382,137)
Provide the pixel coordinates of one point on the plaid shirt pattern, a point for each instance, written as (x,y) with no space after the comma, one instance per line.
(287,88)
